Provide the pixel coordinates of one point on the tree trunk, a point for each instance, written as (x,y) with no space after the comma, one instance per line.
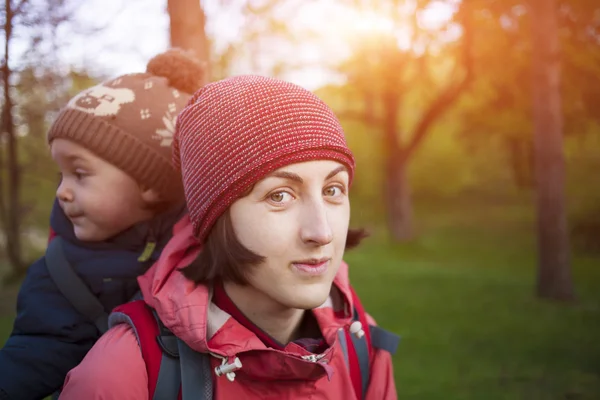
(398,195)
(187,29)
(522,162)
(554,273)
(13,231)
(12,215)
(399,201)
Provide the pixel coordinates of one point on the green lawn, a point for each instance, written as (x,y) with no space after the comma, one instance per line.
(462,299)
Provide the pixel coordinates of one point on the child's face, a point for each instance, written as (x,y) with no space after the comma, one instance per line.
(97,197)
(297,218)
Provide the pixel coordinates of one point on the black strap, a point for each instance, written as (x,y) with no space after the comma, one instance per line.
(196,377)
(73,287)
(344,344)
(384,340)
(166,340)
(181,367)
(137,296)
(362,353)
(380,339)
(169,379)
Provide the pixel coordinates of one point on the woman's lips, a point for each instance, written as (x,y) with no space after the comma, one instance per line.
(312,267)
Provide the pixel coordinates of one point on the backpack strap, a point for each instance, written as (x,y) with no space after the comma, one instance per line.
(196,376)
(358,349)
(72,286)
(181,367)
(139,317)
(363,353)
(384,340)
(359,354)
(168,382)
(175,371)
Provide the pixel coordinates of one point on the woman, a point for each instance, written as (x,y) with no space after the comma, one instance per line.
(266,172)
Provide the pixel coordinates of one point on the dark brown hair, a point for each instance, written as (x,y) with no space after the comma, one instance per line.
(224,257)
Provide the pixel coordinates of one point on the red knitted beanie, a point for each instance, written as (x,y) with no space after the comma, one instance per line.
(234,132)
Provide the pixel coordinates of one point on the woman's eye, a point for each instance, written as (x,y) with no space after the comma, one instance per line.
(333,191)
(280,197)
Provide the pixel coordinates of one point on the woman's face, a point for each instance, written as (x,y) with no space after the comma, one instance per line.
(297,218)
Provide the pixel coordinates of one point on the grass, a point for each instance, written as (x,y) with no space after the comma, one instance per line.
(462,298)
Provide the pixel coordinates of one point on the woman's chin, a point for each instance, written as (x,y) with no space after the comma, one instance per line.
(307,298)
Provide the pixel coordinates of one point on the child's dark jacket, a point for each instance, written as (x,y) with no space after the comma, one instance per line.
(49,336)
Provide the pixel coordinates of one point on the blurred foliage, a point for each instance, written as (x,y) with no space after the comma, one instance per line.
(481,145)
(34,84)
(470,270)
(41,94)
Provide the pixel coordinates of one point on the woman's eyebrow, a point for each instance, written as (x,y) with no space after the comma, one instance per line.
(295,177)
(336,171)
(287,175)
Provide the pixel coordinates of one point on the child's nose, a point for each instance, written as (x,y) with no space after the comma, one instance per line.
(64,193)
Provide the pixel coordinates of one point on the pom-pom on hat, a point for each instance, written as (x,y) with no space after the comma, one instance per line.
(236,131)
(130,120)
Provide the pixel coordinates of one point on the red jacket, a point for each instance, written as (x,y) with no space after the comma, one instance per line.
(115,369)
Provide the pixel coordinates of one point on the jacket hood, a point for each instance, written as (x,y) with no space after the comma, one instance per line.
(186,309)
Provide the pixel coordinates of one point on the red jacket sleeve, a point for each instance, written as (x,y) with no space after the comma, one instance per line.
(112,370)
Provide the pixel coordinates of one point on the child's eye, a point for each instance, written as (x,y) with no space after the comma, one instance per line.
(79,174)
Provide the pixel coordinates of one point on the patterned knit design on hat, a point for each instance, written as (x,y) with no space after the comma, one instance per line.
(129,121)
(236,131)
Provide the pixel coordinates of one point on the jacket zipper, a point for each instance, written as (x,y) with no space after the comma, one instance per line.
(313,357)
(149,248)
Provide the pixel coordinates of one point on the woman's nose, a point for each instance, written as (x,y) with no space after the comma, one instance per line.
(316,228)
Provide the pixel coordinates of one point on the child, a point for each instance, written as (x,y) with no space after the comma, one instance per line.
(251,291)
(115,207)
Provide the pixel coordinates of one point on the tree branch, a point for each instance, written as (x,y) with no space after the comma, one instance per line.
(260,9)
(449,95)
(19,8)
(359,116)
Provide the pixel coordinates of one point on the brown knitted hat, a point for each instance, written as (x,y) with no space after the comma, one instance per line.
(129,121)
